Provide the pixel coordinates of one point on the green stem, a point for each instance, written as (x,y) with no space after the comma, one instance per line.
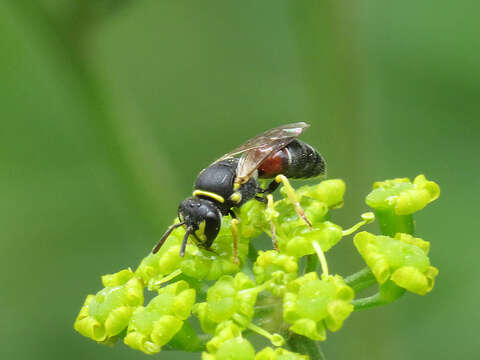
(275,339)
(361,279)
(263,311)
(311,264)
(367,218)
(389,292)
(187,340)
(391,223)
(302,345)
(321,257)
(368,302)
(252,253)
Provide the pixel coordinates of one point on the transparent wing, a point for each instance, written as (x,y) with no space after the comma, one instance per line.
(257,149)
(266,138)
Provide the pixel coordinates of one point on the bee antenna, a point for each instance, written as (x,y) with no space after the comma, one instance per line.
(185,239)
(165,236)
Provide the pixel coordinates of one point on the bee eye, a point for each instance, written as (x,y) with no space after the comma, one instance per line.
(212,225)
(211,216)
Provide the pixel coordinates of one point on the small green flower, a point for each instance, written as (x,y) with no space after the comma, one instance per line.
(315,200)
(329,192)
(228,344)
(299,241)
(403,196)
(269,353)
(394,202)
(288,221)
(106,314)
(402,259)
(252,219)
(277,266)
(294,236)
(311,304)
(153,326)
(228,299)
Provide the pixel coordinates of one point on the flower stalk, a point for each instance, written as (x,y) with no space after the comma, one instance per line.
(303,345)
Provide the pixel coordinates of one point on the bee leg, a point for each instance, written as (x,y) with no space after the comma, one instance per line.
(234,229)
(261,199)
(271,214)
(291,196)
(185,240)
(204,245)
(271,187)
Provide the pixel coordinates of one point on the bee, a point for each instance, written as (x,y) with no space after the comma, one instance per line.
(233,179)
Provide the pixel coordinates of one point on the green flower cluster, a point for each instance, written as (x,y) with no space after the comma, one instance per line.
(275,269)
(294,236)
(228,344)
(105,315)
(394,202)
(229,299)
(274,288)
(402,259)
(403,196)
(398,259)
(311,304)
(279,354)
(153,326)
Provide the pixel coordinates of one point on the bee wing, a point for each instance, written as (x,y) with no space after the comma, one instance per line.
(257,149)
(268,137)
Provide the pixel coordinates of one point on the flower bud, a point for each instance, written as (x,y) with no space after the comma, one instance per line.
(107,314)
(402,259)
(402,196)
(288,220)
(329,192)
(228,344)
(153,326)
(253,220)
(311,304)
(269,353)
(299,242)
(277,266)
(228,299)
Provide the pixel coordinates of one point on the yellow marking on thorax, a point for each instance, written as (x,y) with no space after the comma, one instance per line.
(209,194)
(236,197)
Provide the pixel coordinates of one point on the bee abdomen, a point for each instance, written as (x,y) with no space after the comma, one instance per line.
(297,160)
(304,161)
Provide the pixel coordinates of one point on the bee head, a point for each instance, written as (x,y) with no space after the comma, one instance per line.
(200,217)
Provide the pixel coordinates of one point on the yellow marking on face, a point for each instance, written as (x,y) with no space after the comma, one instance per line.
(236,197)
(201,231)
(209,194)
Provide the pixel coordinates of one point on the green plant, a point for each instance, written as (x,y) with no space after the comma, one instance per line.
(274,294)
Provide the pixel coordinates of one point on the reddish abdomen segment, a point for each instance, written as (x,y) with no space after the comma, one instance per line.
(297,160)
(273,165)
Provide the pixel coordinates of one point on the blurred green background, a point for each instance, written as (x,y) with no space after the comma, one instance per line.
(109,108)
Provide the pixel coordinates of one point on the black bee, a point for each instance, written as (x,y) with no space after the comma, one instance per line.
(230,182)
